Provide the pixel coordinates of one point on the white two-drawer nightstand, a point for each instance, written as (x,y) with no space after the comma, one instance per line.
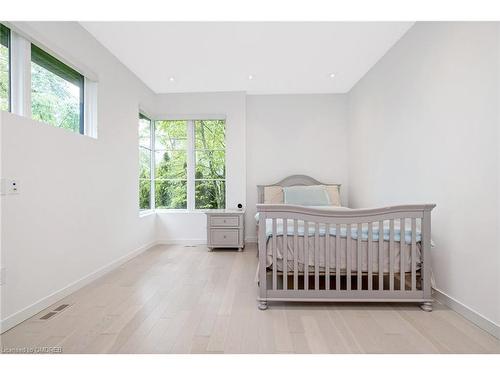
(225,229)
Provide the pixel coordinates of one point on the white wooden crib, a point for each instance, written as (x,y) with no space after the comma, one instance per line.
(353,255)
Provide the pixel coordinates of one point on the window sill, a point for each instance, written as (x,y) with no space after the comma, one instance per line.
(173,211)
(177,211)
(146,213)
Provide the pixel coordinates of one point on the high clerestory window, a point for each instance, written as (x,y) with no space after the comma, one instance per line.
(4,68)
(56,92)
(35,83)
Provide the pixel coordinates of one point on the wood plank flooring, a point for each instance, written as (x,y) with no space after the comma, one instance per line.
(175,299)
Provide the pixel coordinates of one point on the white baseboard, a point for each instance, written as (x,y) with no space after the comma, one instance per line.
(181,241)
(45,302)
(468,313)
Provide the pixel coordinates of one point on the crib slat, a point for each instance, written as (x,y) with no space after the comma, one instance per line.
(316,256)
(337,257)
(413,254)
(370,256)
(359,265)
(275,281)
(348,256)
(381,255)
(402,253)
(327,256)
(391,254)
(295,255)
(306,255)
(426,247)
(285,254)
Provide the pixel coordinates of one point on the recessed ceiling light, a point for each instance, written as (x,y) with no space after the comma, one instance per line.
(171,79)
(332,75)
(250,77)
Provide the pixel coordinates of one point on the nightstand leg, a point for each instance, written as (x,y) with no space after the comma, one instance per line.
(210,249)
(262,305)
(240,249)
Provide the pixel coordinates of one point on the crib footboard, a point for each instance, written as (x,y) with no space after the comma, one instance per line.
(338,255)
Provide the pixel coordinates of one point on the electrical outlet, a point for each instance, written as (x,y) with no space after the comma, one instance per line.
(13,187)
(9,186)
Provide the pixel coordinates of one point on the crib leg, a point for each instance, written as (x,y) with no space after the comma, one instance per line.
(426,306)
(262,305)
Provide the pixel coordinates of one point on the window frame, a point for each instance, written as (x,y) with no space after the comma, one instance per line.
(151,150)
(190,159)
(8,44)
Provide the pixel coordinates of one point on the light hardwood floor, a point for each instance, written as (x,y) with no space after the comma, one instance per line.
(175,299)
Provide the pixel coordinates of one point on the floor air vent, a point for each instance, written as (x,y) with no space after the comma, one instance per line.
(58,309)
(48,316)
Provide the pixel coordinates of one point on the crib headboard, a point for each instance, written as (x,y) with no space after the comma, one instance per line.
(293,180)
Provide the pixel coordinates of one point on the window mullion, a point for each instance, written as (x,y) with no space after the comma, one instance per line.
(190,166)
(20,56)
(152,171)
(90,108)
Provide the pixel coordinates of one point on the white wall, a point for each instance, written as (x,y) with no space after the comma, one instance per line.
(295,134)
(424,128)
(192,226)
(78,207)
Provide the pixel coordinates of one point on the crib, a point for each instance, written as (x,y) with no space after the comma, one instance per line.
(336,255)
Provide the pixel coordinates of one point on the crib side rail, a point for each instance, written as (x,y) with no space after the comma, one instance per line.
(343,216)
(351,281)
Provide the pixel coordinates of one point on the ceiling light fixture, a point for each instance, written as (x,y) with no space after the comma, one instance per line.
(332,75)
(250,77)
(171,79)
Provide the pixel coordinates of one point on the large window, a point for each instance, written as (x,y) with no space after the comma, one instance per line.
(189,165)
(145,162)
(210,175)
(4,68)
(171,177)
(56,92)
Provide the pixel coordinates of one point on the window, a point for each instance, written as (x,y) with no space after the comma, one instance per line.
(4,68)
(210,156)
(56,92)
(145,161)
(33,82)
(189,165)
(171,164)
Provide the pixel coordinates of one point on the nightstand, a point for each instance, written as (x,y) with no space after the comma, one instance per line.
(225,229)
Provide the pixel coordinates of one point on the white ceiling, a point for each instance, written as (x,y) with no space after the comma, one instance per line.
(292,57)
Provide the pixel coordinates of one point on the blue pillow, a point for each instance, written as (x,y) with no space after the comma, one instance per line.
(315,195)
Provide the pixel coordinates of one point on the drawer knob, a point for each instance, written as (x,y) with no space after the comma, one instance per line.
(224,237)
